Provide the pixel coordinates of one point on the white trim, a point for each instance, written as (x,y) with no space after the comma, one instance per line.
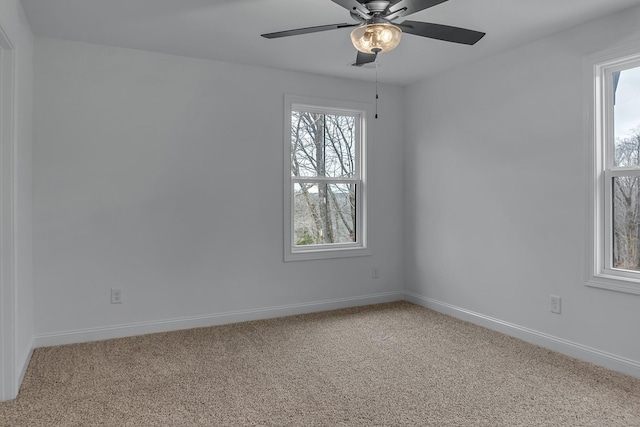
(360,110)
(569,348)
(8,378)
(579,351)
(613,284)
(126,330)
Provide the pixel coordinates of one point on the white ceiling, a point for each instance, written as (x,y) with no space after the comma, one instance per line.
(229,30)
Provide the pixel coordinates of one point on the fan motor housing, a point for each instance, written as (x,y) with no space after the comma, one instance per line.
(376,6)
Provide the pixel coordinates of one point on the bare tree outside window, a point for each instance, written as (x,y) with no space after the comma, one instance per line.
(324,163)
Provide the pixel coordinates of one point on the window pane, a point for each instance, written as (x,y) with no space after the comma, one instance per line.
(626,206)
(324,213)
(626,89)
(322,145)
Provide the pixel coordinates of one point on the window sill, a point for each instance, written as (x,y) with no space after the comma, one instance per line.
(614,283)
(326,254)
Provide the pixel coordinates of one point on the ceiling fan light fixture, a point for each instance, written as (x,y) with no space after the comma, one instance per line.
(376,38)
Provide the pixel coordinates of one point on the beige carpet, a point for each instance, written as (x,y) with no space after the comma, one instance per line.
(383,365)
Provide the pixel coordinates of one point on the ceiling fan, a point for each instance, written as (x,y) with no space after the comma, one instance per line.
(375,32)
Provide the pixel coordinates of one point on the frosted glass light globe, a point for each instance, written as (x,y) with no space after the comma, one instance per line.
(376,38)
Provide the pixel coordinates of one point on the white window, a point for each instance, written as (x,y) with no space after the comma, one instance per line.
(615,257)
(324,179)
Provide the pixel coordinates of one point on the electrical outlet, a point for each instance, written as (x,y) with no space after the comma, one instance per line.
(556,304)
(116,296)
(375,272)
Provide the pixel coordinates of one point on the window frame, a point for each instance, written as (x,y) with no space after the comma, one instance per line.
(599,71)
(362,112)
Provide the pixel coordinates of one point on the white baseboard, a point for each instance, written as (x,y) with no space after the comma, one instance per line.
(119,331)
(579,351)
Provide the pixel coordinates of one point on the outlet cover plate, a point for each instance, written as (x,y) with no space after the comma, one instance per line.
(116,296)
(556,304)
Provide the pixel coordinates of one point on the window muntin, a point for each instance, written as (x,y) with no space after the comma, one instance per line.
(616,158)
(325,213)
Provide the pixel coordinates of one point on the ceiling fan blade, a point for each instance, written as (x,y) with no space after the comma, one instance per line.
(352,5)
(441,32)
(364,58)
(411,6)
(306,30)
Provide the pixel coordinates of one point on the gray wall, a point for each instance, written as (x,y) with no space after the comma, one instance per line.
(162,175)
(495,188)
(13,22)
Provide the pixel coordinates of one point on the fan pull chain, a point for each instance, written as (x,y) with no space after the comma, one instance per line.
(376,88)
